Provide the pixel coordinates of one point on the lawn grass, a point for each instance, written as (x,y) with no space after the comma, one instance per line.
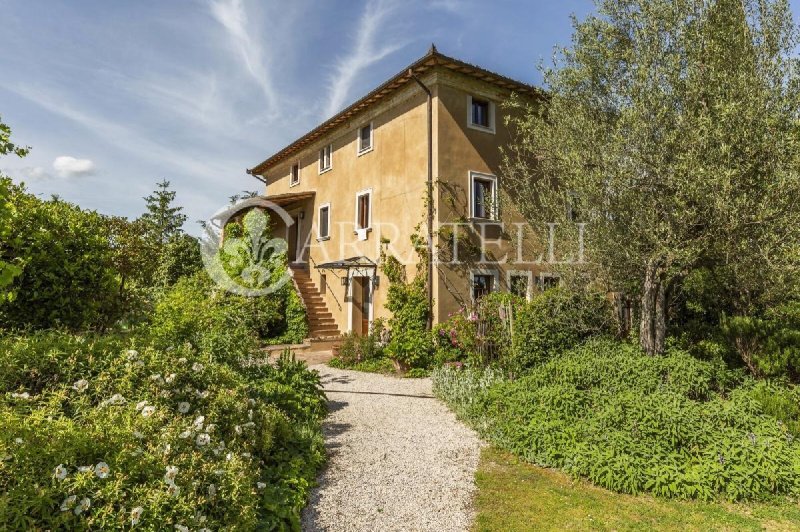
(514,495)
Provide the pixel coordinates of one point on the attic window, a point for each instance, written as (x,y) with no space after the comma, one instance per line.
(365,138)
(480,114)
(326,158)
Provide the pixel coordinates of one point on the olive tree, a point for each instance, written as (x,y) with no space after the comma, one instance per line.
(671,127)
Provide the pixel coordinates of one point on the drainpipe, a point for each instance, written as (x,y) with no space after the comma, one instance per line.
(430,197)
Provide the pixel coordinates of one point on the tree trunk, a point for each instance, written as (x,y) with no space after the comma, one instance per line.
(660,319)
(653,322)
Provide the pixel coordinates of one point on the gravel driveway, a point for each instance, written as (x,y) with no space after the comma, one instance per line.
(397,458)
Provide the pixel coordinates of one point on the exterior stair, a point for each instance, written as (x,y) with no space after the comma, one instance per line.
(321,324)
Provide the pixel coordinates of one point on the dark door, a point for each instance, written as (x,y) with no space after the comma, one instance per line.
(365,303)
(361,303)
(293,231)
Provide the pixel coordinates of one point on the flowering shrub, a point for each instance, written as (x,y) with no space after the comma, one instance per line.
(455,340)
(110,433)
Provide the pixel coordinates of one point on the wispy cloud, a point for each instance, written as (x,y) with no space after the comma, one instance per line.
(232,15)
(370,46)
(122,137)
(32,173)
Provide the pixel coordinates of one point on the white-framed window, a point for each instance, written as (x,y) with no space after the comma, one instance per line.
(325,158)
(366,141)
(547,280)
(520,283)
(364,209)
(294,175)
(483,196)
(324,222)
(480,113)
(483,282)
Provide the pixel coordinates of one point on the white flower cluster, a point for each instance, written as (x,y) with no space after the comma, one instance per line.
(101,470)
(173,490)
(115,399)
(147,410)
(136,515)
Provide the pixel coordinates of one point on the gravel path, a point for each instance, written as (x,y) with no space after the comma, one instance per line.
(397,458)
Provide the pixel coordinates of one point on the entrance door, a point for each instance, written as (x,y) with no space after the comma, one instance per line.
(361,302)
(365,304)
(294,240)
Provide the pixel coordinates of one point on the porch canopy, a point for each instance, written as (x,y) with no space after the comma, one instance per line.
(347,264)
(289,198)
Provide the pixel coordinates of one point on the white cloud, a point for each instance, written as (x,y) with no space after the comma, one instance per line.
(67,166)
(365,52)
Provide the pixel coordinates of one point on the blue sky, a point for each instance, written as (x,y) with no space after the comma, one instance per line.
(114,96)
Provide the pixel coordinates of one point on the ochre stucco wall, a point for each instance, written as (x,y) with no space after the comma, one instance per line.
(395,170)
(462,149)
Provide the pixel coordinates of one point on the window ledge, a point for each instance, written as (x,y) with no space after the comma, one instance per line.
(323,170)
(369,230)
(489,221)
(481,128)
(364,152)
(323,238)
(294,184)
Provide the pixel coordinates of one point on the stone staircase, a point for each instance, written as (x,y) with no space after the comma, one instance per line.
(321,325)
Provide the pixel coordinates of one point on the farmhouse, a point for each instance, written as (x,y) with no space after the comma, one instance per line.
(357,186)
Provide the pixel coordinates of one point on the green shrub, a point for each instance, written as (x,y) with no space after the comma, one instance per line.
(777,399)
(456,339)
(67,277)
(219,323)
(363,352)
(481,335)
(465,388)
(410,342)
(633,423)
(770,345)
(173,434)
(557,320)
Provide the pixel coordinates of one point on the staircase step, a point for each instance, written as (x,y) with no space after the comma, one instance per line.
(321,323)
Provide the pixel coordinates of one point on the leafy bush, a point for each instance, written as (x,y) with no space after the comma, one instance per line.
(770,345)
(410,342)
(97,435)
(219,323)
(481,335)
(67,277)
(293,327)
(557,320)
(633,423)
(356,348)
(456,339)
(778,400)
(465,388)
